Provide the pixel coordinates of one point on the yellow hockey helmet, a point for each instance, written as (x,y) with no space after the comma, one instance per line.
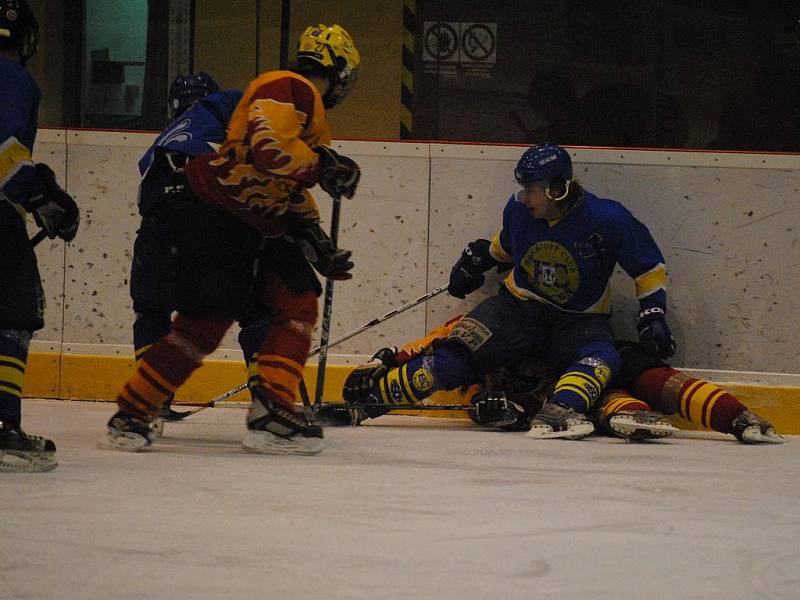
(332,48)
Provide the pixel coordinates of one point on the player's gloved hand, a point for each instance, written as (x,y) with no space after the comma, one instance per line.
(493,409)
(329,261)
(466,275)
(53,209)
(339,175)
(654,333)
(359,384)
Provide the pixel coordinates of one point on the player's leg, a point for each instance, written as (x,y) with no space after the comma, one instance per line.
(585,344)
(274,425)
(211,275)
(160,372)
(21,313)
(496,332)
(703,403)
(152,267)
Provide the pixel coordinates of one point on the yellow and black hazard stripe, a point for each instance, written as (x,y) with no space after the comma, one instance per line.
(407,87)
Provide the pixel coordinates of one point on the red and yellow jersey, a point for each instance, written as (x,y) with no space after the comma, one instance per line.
(262,171)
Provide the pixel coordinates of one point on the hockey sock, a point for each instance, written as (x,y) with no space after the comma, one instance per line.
(13,361)
(409,383)
(580,386)
(619,399)
(251,336)
(671,391)
(148,328)
(283,353)
(449,367)
(169,363)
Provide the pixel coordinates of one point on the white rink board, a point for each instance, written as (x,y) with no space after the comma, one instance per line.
(727,224)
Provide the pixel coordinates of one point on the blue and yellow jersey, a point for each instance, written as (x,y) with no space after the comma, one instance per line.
(568,263)
(262,172)
(19,105)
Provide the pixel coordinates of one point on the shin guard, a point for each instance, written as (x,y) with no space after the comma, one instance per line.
(283,353)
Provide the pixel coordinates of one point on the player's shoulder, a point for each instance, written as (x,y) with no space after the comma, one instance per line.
(513,207)
(16,78)
(606,210)
(280,78)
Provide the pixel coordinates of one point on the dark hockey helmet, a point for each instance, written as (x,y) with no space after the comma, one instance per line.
(549,164)
(19,29)
(188,89)
(331,48)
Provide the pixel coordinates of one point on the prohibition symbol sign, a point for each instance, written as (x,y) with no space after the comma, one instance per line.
(478,42)
(441,41)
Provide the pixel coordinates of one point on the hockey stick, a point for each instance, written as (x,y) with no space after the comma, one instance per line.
(311,411)
(376,321)
(40,235)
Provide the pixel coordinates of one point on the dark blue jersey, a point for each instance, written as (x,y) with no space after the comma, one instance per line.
(568,264)
(200,130)
(19,105)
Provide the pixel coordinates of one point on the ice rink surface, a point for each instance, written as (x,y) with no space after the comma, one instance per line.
(406,508)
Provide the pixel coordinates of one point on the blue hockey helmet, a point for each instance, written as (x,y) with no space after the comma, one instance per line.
(19,29)
(549,164)
(188,89)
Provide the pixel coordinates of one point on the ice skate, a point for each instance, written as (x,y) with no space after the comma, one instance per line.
(157,427)
(127,433)
(275,429)
(23,453)
(749,428)
(556,421)
(638,425)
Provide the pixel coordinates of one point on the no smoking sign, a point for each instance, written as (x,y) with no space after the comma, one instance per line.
(448,41)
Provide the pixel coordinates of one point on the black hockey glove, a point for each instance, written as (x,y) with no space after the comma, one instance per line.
(53,209)
(493,409)
(339,175)
(329,261)
(467,274)
(654,333)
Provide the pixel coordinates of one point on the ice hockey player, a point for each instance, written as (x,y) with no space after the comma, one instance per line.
(563,244)
(25,187)
(633,405)
(241,202)
(195,128)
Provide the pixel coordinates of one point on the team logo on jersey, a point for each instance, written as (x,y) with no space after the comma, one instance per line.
(552,271)
(176,134)
(422,379)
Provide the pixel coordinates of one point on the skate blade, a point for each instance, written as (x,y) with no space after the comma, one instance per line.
(12,462)
(123,442)
(629,427)
(574,433)
(753,435)
(265,442)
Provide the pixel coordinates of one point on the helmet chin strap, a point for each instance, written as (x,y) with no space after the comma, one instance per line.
(562,196)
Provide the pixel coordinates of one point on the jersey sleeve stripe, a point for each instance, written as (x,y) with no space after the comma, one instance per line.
(652,281)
